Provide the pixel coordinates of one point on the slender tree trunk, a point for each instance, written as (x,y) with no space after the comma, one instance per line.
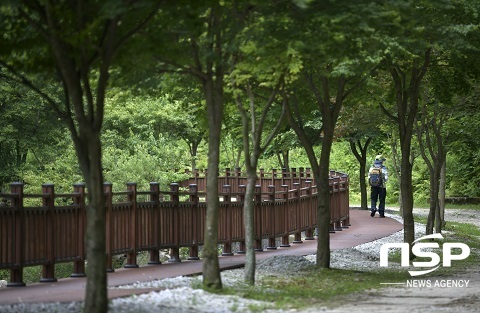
(214,97)
(407,200)
(441,202)
(248,215)
(430,139)
(406,101)
(362,160)
(439,167)
(286,160)
(433,206)
(238,158)
(321,170)
(193,154)
(397,168)
(252,132)
(434,220)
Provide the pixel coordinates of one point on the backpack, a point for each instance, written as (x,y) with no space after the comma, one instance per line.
(375,177)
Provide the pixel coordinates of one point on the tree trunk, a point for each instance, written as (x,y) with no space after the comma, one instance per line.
(330,112)
(213,92)
(238,158)
(323,211)
(434,220)
(441,201)
(90,159)
(397,168)
(362,160)
(430,139)
(248,215)
(407,198)
(211,268)
(406,101)
(284,159)
(252,133)
(433,206)
(193,154)
(439,167)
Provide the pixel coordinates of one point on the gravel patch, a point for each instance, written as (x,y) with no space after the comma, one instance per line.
(178,294)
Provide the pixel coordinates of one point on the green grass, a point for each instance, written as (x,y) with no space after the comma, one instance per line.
(316,287)
(321,286)
(327,287)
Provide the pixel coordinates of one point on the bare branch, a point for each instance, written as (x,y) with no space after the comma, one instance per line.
(388,114)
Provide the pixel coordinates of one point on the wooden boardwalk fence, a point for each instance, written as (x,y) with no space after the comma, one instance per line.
(153,220)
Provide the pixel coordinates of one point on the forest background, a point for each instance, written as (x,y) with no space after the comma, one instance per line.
(143,142)
(147,137)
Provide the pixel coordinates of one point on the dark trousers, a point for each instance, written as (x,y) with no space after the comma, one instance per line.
(378,194)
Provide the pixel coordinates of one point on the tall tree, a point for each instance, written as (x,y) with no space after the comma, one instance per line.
(256,87)
(75,44)
(329,79)
(406,104)
(362,125)
(420,32)
(28,131)
(199,39)
(429,128)
(254,120)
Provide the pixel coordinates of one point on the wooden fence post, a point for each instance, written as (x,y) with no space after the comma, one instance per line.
(155,198)
(241,198)
(337,203)
(16,273)
(298,234)
(79,200)
(258,218)
(309,232)
(274,176)
(108,191)
(48,269)
(286,237)
(132,229)
(193,190)
(271,218)
(293,176)
(346,186)
(301,176)
(227,200)
(175,252)
(331,190)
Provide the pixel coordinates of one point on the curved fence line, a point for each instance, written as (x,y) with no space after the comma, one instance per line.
(153,220)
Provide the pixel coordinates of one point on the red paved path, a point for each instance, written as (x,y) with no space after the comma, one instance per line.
(363,229)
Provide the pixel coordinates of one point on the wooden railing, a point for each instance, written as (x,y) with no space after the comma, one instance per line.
(53,231)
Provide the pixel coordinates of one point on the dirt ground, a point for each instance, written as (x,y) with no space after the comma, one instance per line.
(435,296)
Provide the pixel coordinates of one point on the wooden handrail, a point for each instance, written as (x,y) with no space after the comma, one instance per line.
(285,204)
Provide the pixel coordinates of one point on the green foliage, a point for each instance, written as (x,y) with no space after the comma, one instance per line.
(141,160)
(463,159)
(462,173)
(28,128)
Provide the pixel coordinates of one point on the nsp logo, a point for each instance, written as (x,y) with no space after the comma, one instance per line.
(418,249)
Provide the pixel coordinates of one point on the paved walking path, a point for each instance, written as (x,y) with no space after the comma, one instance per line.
(363,229)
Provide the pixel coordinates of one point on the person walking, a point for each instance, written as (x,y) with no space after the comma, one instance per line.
(377,178)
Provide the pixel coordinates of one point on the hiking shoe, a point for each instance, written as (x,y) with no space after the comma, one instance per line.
(382,216)
(373,213)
